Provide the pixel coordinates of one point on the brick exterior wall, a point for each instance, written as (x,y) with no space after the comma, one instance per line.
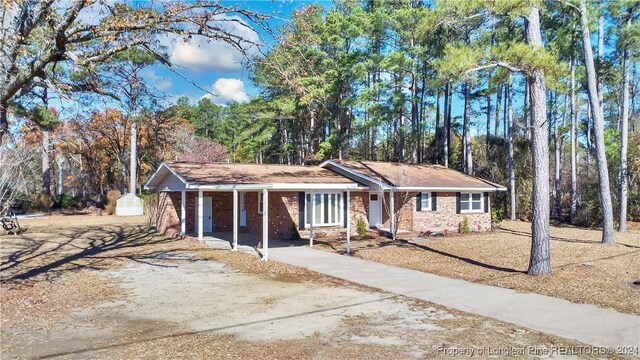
(168,216)
(445,218)
(283,214)
(359,209)
(406,204)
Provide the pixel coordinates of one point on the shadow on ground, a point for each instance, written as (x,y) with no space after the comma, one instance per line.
(50,253)
(562,239)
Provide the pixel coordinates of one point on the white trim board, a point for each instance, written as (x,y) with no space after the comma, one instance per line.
(355,173)
(155,174)
(447,189)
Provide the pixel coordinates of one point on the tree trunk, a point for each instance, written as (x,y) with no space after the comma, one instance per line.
(558,164)
(447,124)
(467,152)
(527,111)
(46,165)
(374,134)
(488,120)
(60,162)
(598,124)
(401,131)
(588,135)
(504,117)
(540,260)
(4,123)
(624,140)
(633,92)
(414,111)
(133,160)
(599,76)
(312,130)
(449,112)
(574,123)
(421,112)
(512,172)
(498,103)
(436,141)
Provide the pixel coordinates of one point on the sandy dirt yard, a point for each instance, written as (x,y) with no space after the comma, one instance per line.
(584,270)
(102,287)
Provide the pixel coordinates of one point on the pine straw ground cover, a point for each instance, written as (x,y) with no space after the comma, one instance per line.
(59,267)
(584,270)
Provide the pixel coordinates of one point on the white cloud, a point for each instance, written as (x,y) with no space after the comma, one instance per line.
(228,90)
(159,82)
(200,55)
(203,54)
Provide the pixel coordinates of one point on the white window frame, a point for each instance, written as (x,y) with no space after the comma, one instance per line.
(260,203)
(340,208)
(422,207)
(471,210)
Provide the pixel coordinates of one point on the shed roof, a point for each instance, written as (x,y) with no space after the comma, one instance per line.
(415,175)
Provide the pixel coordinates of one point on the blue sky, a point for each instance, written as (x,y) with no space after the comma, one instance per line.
(217,67)
(203,68)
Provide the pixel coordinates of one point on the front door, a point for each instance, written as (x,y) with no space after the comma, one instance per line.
(207,214)
(243,209)
(375,209)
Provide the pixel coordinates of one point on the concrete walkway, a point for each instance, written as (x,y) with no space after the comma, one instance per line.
(585,323)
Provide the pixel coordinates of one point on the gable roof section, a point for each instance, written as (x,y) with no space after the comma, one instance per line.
(332,174)
(197,175)
(410,176)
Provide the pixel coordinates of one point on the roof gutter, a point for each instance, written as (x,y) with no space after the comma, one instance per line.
(274,186)
(446,189)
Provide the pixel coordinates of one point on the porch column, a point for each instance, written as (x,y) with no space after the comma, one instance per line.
(235,219)
(392,206)
(313,217)
(200,206)
(265,224)
(348,205)
(183,213)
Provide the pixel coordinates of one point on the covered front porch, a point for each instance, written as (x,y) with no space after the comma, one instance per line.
(258,206)
(257,238)
(247,242)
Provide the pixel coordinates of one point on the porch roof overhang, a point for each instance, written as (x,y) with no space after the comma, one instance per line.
(167,179)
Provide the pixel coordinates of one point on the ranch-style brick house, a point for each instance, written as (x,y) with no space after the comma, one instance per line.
(287,201)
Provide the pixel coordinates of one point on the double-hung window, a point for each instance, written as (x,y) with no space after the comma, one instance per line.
(425,201)
(328,209)
(471,202)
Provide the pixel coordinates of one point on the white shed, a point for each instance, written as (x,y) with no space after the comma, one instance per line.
(129,205)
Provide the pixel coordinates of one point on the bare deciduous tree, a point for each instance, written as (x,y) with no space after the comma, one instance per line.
(63,37)
(14,158)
